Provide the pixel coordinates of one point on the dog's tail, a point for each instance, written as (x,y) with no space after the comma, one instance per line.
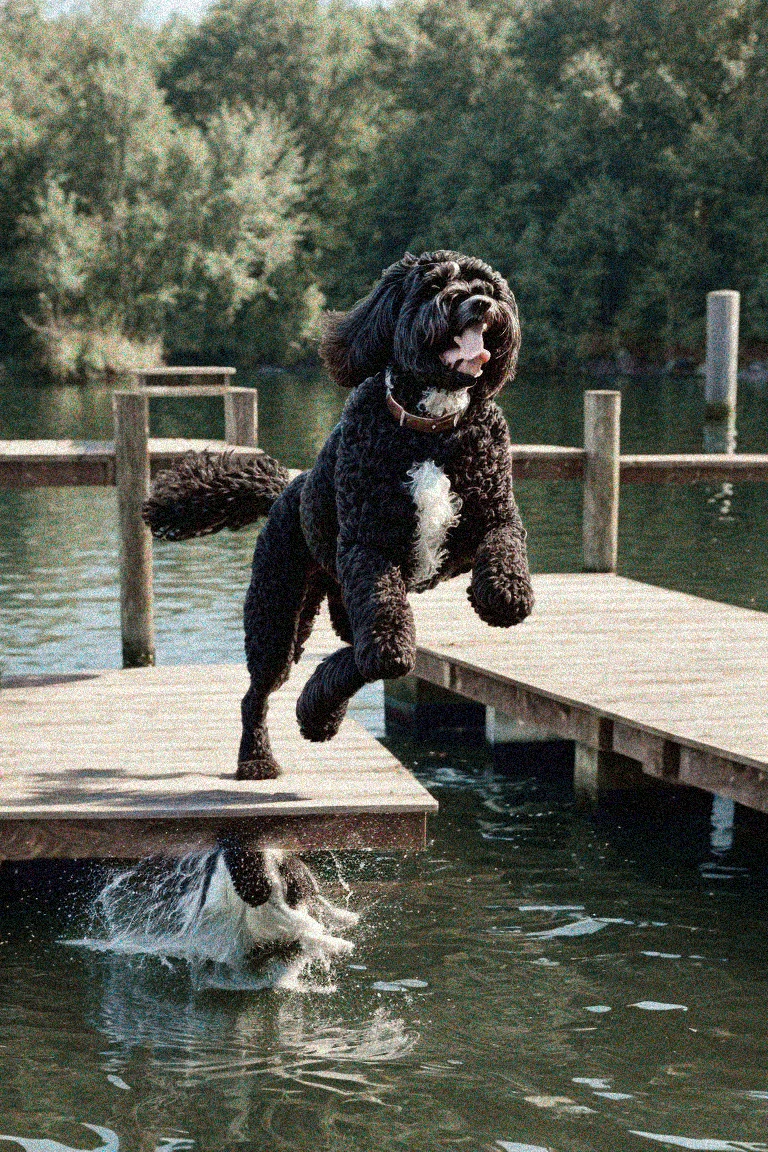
(204,493)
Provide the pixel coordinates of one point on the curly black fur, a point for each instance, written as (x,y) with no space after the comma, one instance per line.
(348,528)
(205,493)
(249,878)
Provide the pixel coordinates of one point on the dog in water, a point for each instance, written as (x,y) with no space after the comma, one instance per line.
(413,486)
(281,896)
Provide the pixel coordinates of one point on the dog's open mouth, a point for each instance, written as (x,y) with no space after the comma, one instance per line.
(470,356)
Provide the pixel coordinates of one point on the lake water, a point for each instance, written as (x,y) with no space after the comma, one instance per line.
(537,979)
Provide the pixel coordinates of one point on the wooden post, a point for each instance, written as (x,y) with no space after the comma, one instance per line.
(600,526)
(599,774)
(131,411)
(721,383)
(241,422)
(722,353)
(586,775)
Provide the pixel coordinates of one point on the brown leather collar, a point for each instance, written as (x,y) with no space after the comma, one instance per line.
(420,423)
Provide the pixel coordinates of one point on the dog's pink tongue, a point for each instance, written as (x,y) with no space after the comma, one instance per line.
(470,354)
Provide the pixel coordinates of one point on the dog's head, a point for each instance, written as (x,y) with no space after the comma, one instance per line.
(442,316)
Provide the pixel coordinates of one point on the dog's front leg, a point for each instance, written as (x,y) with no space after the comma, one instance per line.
(501,591)
(384,634)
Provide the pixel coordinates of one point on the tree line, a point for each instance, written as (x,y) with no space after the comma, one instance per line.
(202,192)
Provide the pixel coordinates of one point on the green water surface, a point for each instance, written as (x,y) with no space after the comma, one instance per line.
(574,983)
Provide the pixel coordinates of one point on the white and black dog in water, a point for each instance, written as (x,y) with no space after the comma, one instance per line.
(253,874)
(280,893)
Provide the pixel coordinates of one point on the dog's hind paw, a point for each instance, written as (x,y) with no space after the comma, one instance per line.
(315,725)
(322,705)
(266,768)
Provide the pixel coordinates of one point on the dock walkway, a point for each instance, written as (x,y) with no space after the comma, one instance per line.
(127,763)
(673,681)
(139,761)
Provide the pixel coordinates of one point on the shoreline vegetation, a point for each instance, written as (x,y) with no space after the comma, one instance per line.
(199,193)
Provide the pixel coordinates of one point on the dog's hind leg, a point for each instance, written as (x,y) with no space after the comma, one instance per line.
(317,587)
(323,702)
(274,605)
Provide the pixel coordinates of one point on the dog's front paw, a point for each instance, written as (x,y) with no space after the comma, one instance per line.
(501,599)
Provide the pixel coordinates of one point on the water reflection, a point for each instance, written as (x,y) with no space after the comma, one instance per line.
(194,1040)
(110,1139)
(447,1030)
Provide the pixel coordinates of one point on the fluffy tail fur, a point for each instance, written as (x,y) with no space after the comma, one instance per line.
(205,493)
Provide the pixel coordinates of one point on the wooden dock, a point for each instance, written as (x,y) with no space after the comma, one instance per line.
(138,761)
(132,762)
(124,763)
(675,682)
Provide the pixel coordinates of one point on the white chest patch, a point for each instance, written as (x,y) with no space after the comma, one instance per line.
(437,511)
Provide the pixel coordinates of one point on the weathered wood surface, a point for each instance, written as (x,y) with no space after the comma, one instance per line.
(600,520)
(123,763)
(722,352)
(131,411)
(185,377)
(677,682)
(694,468)
(185,390)
(50,463)
(548,462)
(241,417)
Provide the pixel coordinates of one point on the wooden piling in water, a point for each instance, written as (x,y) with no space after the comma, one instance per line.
(722,353)
(131,414)
(241,422)
(600,524)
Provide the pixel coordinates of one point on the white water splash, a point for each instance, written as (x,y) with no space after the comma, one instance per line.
(190,911)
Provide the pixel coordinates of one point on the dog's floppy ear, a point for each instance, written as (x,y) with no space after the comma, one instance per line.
(358,344)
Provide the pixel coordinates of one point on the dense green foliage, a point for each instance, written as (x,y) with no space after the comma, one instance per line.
(203,189)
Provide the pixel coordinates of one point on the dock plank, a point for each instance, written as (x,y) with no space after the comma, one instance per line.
(121,762)
(687,670)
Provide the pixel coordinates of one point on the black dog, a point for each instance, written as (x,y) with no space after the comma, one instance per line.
(413,486)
